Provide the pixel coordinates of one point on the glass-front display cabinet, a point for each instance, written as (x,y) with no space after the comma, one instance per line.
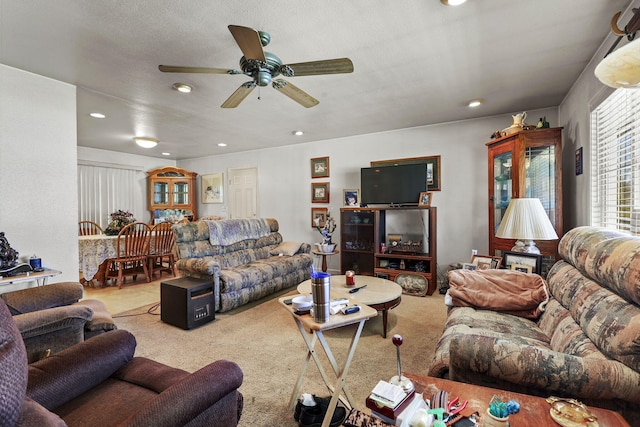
(526,164)
(172,193)
(358,239)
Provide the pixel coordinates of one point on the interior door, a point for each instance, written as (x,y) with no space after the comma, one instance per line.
(243,193)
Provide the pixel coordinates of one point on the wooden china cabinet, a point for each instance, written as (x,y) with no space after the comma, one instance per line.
(172,188)
(526,164)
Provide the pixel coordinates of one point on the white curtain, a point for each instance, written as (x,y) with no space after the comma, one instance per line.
(103,189)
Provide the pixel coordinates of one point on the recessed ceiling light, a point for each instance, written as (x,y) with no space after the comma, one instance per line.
(145,142)
(475,103)
(97,115)
(181,87)
(222,144)
(297,132)
(166,154)
(452,2)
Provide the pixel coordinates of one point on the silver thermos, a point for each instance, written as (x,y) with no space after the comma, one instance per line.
(321,290)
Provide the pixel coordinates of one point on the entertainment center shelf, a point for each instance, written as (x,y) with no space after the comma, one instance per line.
(412,258)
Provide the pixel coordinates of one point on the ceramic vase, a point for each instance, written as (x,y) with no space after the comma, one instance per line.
(493,421)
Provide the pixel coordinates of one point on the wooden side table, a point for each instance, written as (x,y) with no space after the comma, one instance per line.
(316,333)
(324,256)
(534,411)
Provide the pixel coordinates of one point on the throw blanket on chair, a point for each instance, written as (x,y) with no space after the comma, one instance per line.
(508,291)
(228,232)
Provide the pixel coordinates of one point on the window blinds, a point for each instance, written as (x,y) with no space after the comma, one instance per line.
(615,162)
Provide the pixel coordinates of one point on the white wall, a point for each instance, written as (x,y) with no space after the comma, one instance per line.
(284,176)
(574,113)
(141,209)
(38,201)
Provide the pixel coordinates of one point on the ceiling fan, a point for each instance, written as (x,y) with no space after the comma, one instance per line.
(263,67)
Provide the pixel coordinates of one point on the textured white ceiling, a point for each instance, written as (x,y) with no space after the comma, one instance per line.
(416,62)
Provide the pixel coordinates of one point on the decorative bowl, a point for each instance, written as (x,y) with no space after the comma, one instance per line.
(328,248)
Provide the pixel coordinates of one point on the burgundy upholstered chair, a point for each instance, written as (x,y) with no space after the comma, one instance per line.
(99,382)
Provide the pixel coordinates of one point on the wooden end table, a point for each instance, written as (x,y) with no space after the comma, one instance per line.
(534,411)
(316,333)
(380,294)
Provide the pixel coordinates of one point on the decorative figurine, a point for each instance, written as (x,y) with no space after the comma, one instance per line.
(8,256)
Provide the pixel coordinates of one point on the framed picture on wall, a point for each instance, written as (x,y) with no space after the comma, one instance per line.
(212,188)
(319,217)
(320,192)
(320,167)
(432,163)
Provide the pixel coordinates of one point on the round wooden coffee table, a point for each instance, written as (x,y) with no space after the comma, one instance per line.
(380,294)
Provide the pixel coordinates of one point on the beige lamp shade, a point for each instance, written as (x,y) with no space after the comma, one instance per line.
(621,68)
(526,220)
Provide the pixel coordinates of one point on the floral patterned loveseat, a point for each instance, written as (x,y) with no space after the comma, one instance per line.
(586,343)
(246,258)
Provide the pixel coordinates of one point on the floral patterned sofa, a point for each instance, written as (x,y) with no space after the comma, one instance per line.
(246,258)
(586,343)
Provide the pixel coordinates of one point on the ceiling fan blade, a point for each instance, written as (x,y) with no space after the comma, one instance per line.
(179,69)
(248,40)
(295,93)
(239,95)
(329,66)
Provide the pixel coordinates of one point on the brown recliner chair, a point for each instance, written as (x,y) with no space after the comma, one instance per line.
(100,382)
(54,317)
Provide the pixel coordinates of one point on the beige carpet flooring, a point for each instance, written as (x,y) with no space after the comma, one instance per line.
(263,339)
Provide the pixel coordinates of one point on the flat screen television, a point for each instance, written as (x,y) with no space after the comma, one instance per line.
(393,185)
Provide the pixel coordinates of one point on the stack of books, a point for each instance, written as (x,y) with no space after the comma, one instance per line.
(387,401)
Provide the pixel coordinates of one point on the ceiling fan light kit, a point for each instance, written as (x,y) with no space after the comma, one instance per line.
(263,67)
(145,142)
(621,68)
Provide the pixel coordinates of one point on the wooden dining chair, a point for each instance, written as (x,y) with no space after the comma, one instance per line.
(89,228)
(162,242)
(132,250)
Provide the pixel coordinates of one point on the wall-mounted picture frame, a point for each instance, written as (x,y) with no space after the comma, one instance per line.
(319,217)
(319,192)
(213,188)
(486,262)
(432,164)
(320,167)
(510,258)
(579,161)
(424,200)
(522,268)
(351,197)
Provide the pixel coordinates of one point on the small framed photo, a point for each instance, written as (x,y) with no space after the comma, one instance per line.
(485,262)
(522,268)
(212,188)
(319,217)
(509,259)
(425,199)
(320,167)
(351,197)
(319,192)
(469,266)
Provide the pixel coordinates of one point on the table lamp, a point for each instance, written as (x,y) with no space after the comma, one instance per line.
(526,220)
